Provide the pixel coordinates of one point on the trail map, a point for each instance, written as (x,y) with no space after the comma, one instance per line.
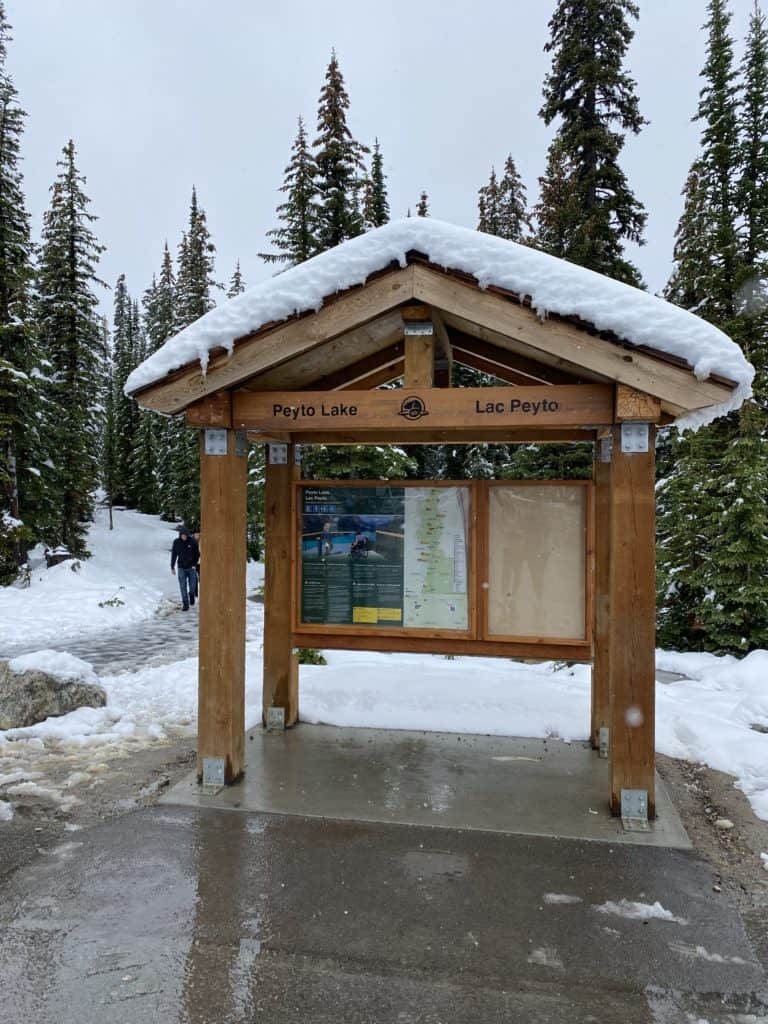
(435,589)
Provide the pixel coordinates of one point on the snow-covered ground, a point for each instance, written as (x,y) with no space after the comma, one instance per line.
(124,581)
(709,717)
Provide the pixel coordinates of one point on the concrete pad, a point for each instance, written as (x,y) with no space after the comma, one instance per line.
(486,783)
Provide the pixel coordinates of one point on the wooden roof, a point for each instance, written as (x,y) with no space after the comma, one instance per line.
(356,341)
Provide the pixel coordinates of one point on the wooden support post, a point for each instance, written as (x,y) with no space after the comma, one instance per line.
(601,671)
(420,361)
(221,678)
(281,666)
(632,621)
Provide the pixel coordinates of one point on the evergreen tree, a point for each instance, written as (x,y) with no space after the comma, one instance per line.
(236,285)
(502,205)
(356,462)
(159,326)
(376,210)
(71,339)
(557,212)
(488,206)
(296,238)
(22,499)
(422,210)
(340,167)
(194,283)
(594,100)
(125,410)
(143,462)
(109,438)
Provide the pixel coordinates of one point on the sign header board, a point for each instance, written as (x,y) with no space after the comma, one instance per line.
(426,408)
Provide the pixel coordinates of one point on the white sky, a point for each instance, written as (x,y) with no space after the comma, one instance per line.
(161,94)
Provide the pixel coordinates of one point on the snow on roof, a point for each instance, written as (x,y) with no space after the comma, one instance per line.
(552,285)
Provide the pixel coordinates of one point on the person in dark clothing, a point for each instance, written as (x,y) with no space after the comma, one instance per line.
(186,552)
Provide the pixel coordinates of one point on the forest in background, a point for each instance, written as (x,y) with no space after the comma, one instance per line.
(66,428)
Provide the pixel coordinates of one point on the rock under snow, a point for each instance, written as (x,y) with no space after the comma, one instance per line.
(552,285)
(46,684)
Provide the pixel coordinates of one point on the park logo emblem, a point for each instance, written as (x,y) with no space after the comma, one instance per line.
(413,408)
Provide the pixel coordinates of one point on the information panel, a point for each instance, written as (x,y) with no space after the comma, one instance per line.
(385,556)
(537,560)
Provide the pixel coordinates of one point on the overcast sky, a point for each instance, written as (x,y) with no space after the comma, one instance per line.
(161,94)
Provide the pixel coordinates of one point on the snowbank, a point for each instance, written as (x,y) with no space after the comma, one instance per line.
(55,663)
(708,719)
(553,286)
(124,582)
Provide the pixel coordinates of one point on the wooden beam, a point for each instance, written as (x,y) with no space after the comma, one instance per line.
(632,630)
(567,342)
(469,359)
(375,380)
(281,668)
(601,667)
(489,435)
(347,376)
(212,411)
(434,409)
(442,645)
(276,343)
(266,436)
(634,405)
(329,365)
(420,361)
(221,673)
(505,359)
(444,353)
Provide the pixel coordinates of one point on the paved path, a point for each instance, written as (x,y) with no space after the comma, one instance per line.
(169,636)
(206,917)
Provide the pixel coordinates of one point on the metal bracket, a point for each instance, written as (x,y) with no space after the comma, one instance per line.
(603,739)
(606,449)
(241,443)
(215,441)
(418,330)
(213,775)
(278,454)
(634,438)
(634,810)
(275,719)
(297,454)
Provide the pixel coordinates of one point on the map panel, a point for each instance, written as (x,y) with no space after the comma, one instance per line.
(436,545)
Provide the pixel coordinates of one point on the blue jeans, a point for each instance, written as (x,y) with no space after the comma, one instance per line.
(187,584)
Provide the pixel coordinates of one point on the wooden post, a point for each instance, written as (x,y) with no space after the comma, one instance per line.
(221,673)
(632,621)
(601,672)
(281,665)
(419,361)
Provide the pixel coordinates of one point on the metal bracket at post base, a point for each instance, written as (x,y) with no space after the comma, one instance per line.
(213,776)
(634,810)
(603,739)
(275,720)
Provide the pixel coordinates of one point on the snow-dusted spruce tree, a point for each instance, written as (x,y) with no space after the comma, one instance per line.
(422,208)
(593,100)
(341,171)
(236,284)
(376,205)
(713,530)
(557,212)
(194,284)
(71,340)
(142,468)
(159,304)
(124,358)
(503,206)
(297,236)
(22,483)
(109,424)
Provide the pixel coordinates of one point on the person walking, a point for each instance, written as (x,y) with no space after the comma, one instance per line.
(186,552)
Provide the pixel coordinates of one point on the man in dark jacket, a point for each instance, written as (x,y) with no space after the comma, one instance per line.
(186,552)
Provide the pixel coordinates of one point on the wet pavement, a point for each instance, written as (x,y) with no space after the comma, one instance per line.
(446,780)
(202,917)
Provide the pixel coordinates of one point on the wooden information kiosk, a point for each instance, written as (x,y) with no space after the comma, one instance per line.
(539,569)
